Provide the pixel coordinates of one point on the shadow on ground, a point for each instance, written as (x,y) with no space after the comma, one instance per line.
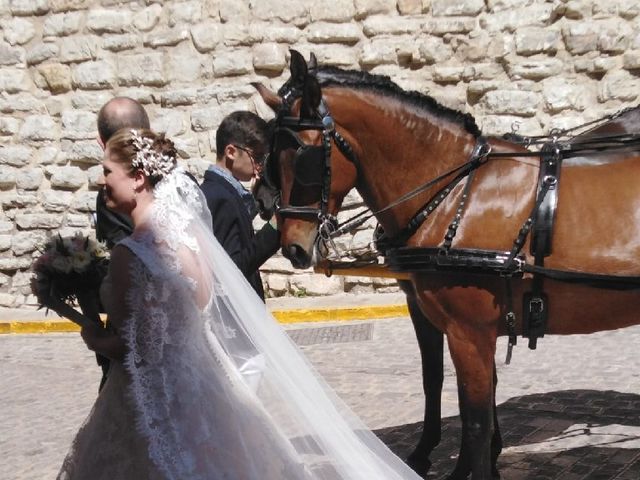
(596,436)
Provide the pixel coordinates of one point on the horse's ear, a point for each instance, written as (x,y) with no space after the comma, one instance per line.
(272,99)
(311,97)
(313,64)
(298,67)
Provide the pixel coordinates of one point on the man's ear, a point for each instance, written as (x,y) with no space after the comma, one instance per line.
(101,142)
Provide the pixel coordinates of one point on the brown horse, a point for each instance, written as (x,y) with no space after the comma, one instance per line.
(392,142)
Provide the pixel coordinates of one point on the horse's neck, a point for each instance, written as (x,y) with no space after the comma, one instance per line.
(400,148)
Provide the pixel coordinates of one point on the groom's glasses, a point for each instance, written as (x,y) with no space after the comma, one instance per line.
(256,163)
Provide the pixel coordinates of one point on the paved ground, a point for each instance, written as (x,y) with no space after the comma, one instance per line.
(570,410)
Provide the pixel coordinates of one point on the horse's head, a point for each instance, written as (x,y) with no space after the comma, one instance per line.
(311,175)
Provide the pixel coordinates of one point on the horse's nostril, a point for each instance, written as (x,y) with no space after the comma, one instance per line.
(297,255)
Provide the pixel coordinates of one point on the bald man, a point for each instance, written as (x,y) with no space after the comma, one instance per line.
(117,113)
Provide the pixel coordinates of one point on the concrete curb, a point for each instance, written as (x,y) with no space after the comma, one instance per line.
(327,314)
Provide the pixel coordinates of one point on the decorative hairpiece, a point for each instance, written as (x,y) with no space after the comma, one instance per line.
(149,160)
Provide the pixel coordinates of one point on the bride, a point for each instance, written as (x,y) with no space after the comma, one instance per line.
(204,384)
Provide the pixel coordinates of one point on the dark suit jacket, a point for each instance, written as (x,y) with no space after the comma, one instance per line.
(111,227)
(233,228)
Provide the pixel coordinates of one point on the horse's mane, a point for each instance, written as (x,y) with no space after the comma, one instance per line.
(385,86)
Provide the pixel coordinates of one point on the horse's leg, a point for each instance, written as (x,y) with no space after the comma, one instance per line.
(431,344)
(473,355)
(496,441)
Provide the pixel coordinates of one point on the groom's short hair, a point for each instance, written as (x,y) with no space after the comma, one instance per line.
(121,112)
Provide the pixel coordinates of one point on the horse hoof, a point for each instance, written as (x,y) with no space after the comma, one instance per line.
(419,465)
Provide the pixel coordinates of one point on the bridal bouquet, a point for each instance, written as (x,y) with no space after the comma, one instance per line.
(69,266)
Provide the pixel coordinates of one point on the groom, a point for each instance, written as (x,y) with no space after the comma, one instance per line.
(111,227)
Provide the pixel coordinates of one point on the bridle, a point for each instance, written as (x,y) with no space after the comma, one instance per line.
(312,163)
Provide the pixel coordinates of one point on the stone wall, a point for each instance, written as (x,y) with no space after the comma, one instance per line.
(530,63)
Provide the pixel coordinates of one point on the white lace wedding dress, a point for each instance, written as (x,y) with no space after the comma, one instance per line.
(211,387)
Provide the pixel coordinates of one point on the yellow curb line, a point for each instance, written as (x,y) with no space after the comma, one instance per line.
(282,316)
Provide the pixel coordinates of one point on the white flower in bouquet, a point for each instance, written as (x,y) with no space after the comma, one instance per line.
(69,266)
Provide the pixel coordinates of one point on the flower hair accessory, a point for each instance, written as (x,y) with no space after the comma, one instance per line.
(153,163)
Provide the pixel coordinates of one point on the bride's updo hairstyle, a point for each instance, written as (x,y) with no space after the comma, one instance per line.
(143,149)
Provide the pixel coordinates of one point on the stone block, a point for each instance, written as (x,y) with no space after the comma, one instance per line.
(532,40)
(14,80)
(631,60)
(18,31)
(447,74)
(9,125)
(68,5)
(90,100)
(168,37)
(280,33)
(101,21)
(234,11)
(21,102)
(378,52)
(57,77)
(387,25)
(615,36)
(78,48)
(339,11)
(7,178)
(118,43)
(41,52)
(13,264)
(314,285)
(147,18)
(203,119)
(39,128)
(183,96)
(206,36)
(27,242)
(288,12)
(434,50)
(235,35)
(535,69)
(33,221)
(184,12)
(142,69)
(28,8)
(78,124)
(76,220)
(84,201)
(11,55)
(97,75)
(15,155)
(501,124)
(333,33)
(411,7)
(443,8)
(185,65)
(270,57)
(18,200)
(29,178)
(84,152)
(573,9)
(366,8)
(62,24)
(68,178)
(618,85)
(278,284)
(580,38)
(562,94)
(510,102)
(452,25)
(55,200)
(536,14)
(171,122)
(237,62)
(5,244)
